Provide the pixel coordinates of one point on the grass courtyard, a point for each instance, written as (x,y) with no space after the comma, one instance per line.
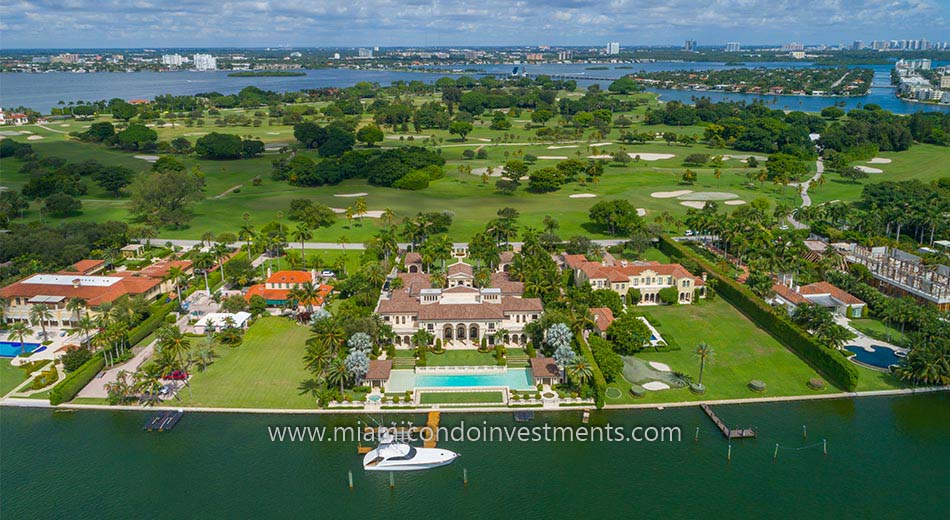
(263,372)
(461,397)
(742,352)
(10,376)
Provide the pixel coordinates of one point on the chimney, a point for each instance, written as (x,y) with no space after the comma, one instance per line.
(269,272)
(704,276)
(76,283)
(313,275)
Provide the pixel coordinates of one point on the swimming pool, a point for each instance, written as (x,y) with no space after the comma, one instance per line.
(12,349)
(514,378)
(881,357)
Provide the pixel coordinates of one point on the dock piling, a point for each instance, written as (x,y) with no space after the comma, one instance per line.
(775,455)
(824,443)
(465,476)
(804,432)
(729,453)
(392,480)
(696,437)
(350,478)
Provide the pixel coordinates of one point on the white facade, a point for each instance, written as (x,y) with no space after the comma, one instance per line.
(172,60)
(613,48)
(205,62)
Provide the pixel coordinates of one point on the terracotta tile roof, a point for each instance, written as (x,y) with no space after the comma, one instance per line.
(574,261)
(836,293)
(622,273)
(602,316)
(93,294)
(413,258)
(290,277)
(399,305)
(507,256)
(461,311)
(414,282)
(379,369)
(87,266)
(281,294)
(161,269)
(513,304)
(460,289)
(509,287)
(460,268)
(788,294)
(544,367)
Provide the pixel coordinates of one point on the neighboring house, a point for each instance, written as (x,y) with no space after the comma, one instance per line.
(459,314)
(56,289)
(14,118)
(217,321)
(277,286)
(647,277)
(378,374)
(545,371)
(602,317)
(133,250)
(823,294)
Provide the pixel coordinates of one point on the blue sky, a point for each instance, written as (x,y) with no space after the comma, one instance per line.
(318,23)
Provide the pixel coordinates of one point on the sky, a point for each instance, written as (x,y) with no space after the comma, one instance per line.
(342,23)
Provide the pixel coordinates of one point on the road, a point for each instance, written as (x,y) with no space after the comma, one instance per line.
(806,199)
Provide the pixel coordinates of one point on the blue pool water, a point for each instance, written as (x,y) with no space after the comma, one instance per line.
(12,349)
(881,357)
(514,378)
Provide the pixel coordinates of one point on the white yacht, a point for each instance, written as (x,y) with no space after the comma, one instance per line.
(394,455)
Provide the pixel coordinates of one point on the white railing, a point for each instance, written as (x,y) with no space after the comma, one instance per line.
(486,369)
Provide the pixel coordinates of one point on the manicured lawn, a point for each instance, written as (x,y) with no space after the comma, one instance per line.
(320,258)
(10,376)
(263,372)
(879,330)
(743,352)
(461,397)
(460,357)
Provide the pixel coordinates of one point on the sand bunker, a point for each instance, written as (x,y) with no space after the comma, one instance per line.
(483,139)
(64,124)
(669,194)
(399,136)
(745,157)
(879,160)
(698,204)
(660,367)
(708,195)
(651,156)
(734,202)
(641,212)
(495,172)
(360,194)
(9,132)
(195,134)
(601,156)
(600,144)
(373,213)
(562,146)
(583,196)
(34,138)
(552,157)
(273,133)
(868,169)
(147,158)
(656,386)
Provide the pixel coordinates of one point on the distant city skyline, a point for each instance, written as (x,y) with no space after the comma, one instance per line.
(385,23)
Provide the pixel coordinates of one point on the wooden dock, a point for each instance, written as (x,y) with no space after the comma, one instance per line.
(726,431)
(432,424)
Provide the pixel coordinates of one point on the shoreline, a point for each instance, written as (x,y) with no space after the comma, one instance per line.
(35,403)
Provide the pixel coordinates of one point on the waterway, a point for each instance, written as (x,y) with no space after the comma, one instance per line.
(44,91)
(887,458)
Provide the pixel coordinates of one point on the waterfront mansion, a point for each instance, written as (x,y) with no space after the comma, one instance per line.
(458,313)
(646,277)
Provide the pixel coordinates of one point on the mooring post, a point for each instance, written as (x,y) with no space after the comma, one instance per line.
(392,480)
(729,453)
(804,432)
(465,476)
(775,455)
(349,475)
(696,437)
(824,443)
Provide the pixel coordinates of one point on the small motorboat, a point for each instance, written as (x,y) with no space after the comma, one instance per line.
(396,455)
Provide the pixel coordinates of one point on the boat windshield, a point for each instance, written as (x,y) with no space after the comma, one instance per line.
(408,456)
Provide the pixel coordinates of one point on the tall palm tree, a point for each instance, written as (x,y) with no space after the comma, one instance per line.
(220,251)
(75,305)
(307,292)
(246,233)
(174,343)
(39,315)
(301,234)
(328,333)
(705,353)
(19,331)
(388,216)
(83,327)
(176,274)
(205,262)
(359,208)
(579,370)
(336,372)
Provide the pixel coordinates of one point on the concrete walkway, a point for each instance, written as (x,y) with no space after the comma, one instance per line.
(97,387)
(806,199)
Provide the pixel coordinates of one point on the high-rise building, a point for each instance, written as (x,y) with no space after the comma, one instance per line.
(733,47)
(205,62)
(172,60)
(365,53)
(857,45)
(690,46)
(564,55)
(613,48)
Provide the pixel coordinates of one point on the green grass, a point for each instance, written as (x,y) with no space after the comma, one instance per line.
(461,397)
(10,376)
(263,372)
(460,357)
(743,352)
(879,330)
(321,258)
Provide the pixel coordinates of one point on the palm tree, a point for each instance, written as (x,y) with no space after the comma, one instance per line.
(220,251)
(19,331)
(359,207)
(307,292)
(336,372)
(83,327)
(176,274)
(705,353)
(204,262)
(926,363)
(316,359)
(301,234)
(246,234)
(75,305)
(579,370)
(328,334)
(388,216)
(39,315)
(174,343)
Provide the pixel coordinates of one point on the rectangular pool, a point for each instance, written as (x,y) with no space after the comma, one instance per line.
(12,348)
(514,378)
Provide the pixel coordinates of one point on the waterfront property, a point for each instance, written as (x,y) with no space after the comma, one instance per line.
(216,321)
(898,273)
(647,277)
(278,285)
(458,313)
(823,294)
(84,281)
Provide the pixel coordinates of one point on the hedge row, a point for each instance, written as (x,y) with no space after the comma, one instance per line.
(154,321)
(76,380)
(835,368)
(214,277)
(600,382)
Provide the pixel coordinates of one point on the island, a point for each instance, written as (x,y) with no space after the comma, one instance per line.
(839,81)
(265,73)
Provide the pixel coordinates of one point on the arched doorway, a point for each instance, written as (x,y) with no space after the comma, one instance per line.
(460,332)
(473,333)
(447,333)
(413,269)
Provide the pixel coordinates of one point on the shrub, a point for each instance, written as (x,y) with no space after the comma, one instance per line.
(414,180)
(151,323)
(75,381)
(75,358)
(669,295)
(696,159)
(832,366)
(600,384)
